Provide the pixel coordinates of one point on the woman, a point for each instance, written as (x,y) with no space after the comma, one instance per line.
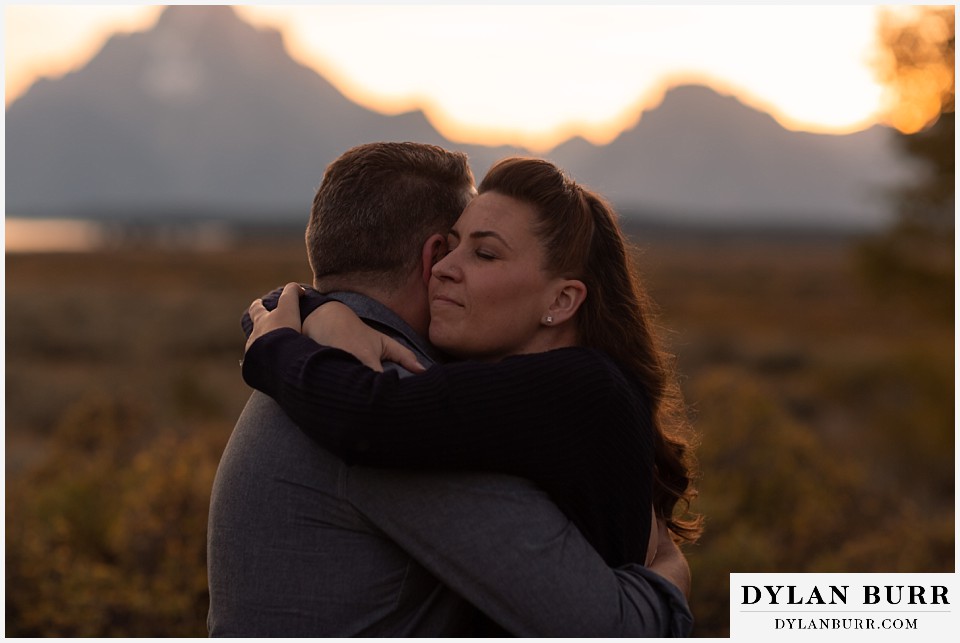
(565,384)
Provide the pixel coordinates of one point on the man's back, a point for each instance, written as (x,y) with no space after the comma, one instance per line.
(290,556)
(295,545)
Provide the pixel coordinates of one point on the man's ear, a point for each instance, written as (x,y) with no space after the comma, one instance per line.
(569,297)
(434,248)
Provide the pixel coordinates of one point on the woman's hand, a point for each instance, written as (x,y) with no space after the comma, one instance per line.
(654,539)
(668,560)
(285,315)
(334,324)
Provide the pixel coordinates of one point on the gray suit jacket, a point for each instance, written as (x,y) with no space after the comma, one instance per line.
(301,544)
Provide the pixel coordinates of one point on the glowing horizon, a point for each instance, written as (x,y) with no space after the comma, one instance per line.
(517,80)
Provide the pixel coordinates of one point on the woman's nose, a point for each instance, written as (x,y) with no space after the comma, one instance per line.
(445,268)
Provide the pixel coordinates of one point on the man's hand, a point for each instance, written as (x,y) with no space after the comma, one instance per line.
(285,315)
(669,561)
(334,324)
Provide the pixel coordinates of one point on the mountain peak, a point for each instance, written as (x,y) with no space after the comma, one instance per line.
(213,28)
(195,18)
(207,112)
(699,102)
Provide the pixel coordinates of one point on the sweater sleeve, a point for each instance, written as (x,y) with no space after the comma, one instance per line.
(518,415)
(566,419)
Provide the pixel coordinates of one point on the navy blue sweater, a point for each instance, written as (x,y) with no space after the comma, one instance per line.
(567,419)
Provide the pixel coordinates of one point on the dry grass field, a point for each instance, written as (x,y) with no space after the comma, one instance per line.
(824,410)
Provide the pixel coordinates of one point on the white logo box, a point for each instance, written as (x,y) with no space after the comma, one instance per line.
(844,607)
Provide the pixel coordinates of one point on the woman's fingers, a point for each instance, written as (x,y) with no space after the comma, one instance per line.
(256,310)
(334,324)
(653,542)
(285,315)
(287,312)
(290,296)
(394,351)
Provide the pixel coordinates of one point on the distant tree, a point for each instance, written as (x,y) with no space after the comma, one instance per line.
(915,257)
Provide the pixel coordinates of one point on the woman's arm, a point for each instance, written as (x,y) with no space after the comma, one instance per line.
(566,419)
(549,407)
(337,326)
(493,416)
(327,321)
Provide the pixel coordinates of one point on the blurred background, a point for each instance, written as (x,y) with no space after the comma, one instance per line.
(786,174)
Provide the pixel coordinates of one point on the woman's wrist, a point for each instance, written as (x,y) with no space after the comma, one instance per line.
(269,353)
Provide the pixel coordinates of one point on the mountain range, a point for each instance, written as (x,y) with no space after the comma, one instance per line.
(207,115)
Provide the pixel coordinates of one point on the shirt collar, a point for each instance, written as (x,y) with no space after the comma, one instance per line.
(372,310)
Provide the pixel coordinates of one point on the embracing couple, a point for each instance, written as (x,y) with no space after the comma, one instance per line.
(465,428)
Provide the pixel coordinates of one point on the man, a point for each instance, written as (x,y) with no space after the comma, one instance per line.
(301,544)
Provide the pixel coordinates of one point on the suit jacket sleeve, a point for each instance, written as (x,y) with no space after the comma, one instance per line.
(503,545)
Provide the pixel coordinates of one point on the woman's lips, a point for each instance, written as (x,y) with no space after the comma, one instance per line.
(444,300)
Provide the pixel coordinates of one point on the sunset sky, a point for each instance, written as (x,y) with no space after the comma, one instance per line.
(532,74)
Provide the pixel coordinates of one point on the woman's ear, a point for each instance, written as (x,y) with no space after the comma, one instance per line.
(434,248)
(571,294)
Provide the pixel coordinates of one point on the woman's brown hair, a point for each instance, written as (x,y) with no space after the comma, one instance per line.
(582,240)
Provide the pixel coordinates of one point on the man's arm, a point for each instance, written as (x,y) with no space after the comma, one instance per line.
(501,543)
(504,546)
